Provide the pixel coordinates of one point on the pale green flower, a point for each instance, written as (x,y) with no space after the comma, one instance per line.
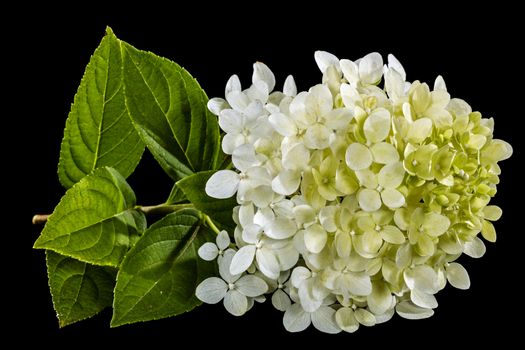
(356,198)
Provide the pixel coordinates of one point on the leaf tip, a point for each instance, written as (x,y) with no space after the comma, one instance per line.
(109,31)
(114,323)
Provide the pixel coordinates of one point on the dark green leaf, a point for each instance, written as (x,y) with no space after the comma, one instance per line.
(159,275)
(79,290)
(176,195)
(98,130)
(95,221)
(220,210)
(168,109)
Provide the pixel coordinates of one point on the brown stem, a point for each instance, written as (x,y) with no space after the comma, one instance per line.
(40,219)
(160,209)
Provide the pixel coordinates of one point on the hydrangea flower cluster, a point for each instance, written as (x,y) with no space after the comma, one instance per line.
(354,200)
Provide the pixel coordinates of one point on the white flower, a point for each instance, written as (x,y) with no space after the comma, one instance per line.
(225,183)
(280,299)
(243,127)
(234,289)
(349,318)
(209,251)
(355,197)
(296,319)
(423,283)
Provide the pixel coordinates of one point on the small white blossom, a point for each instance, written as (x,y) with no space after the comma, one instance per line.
(234,290)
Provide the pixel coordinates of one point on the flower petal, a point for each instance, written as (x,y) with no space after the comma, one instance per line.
(211,290)
(287,182)
(488,231)
(346,320)
(222,184)
(422,299)
(208,251)
(457,276)
(391,175)
(281,228)
(224,266)
(365,317)
(350,71)
(408,310)
(380,300)
(315,238)
(371,68)
(359,283)
(216,105)
(392,198)
(283,124)
(296,157)
(231,141)
(233,84)
(235,303)
(327,218)
(261,196)
(299,274)
(350,95)
(358,156)
(317,136)
(369,200)
(287,257)
(492,212)
(223,240)
(439,84)
(384,153)
(435,224)
(392,234)
(324,320)
(242,260)
(425,279)
(377,125)
(339,118)
(290,89)
(419,130)
(296,319)
(239,101)
(267,263)
(261,72)
(230,121)
(281,300)
(386,316)
(251,286)
(243,157)
(475,249)
(394,63)
(325,59)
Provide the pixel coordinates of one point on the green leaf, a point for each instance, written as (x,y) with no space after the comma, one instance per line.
(159,275)
(220,210)
(98,130)
(95,222)
(79,290)
(168,109)
(176,195)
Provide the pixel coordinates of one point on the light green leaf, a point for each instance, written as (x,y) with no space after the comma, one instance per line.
(95,222)
(79,290)
(168,108)
(220,210)
(159,275)
(98,129)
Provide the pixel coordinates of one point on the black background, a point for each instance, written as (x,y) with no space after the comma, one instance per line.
(475,51)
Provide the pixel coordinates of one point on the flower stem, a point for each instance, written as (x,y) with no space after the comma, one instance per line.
(159,209)
(210,224)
